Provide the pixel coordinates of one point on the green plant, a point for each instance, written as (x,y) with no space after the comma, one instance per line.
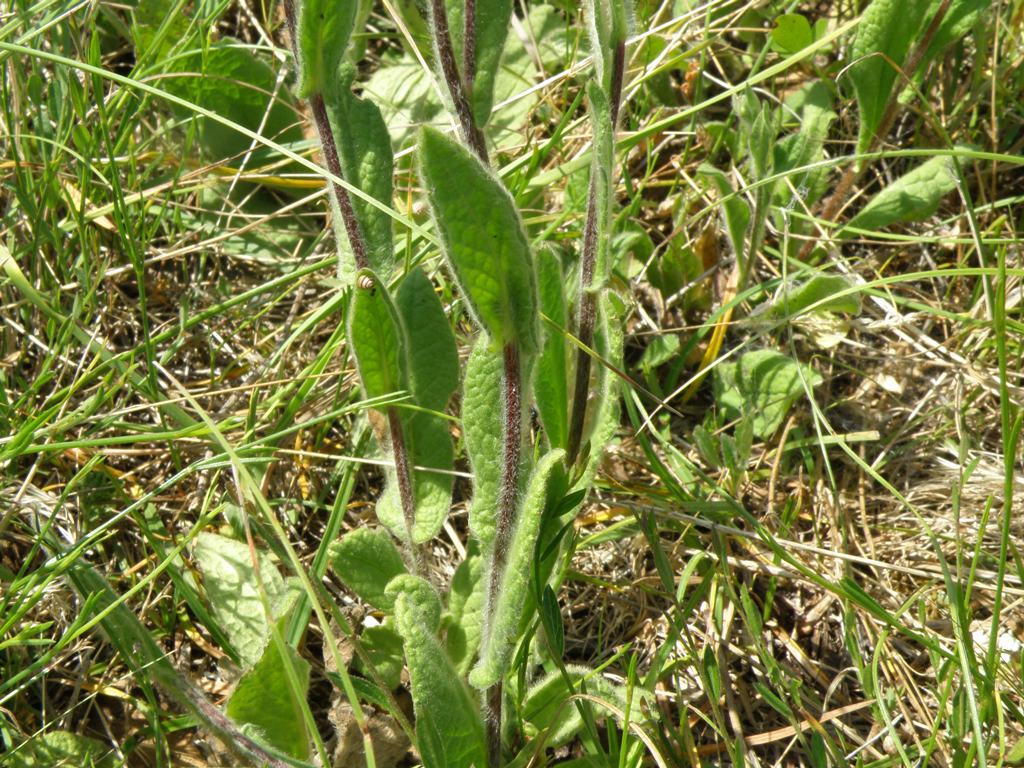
(404,348)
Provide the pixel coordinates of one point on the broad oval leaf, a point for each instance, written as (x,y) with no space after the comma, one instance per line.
(483,240)
(264,699)
(764,385)
(366,560)
(233,589)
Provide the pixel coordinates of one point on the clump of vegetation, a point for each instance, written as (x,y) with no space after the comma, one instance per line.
(648,398)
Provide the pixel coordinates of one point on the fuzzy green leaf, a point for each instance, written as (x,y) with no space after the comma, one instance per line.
(813,104)
(364,151)
(60,749)
(500,637)
(765,385)
(607,27)
(960,17)
(483,240)
(383,646)
(429,445)
(912,197)
(366,560)
(234,593)
(466,611)
(264,699)
(433,356)
(237,85)
(377,339)
(887,30)
(551,384)
(819,293)
(448,727)
(324,29)
(385,358)
(482,432)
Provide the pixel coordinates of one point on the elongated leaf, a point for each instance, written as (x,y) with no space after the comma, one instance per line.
(324,29)
(551,384)
(234,593)
(960,17)
(483,240)
(433,356)
(366,560)
(377,339)
(482,432)
(466,611)
(364,151)
(433,377)
(820,292)
(887,30)
(493,19)
(912,197)
(813,104)
(265,700)
(735,210)
(448,727)
(500,636)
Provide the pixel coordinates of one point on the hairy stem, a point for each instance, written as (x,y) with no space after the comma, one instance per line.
(330,152)
(508,498)
(469,46)
(472,135)
(405,493)
(618,70)
(586,318)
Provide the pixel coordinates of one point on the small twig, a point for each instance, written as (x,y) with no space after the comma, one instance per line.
(472,135)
